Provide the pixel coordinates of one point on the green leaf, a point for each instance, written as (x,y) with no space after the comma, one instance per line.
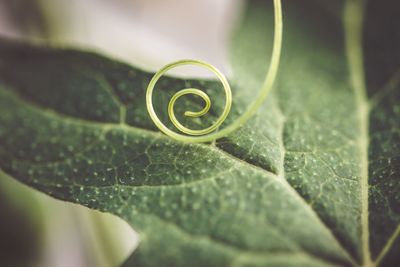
(311,180)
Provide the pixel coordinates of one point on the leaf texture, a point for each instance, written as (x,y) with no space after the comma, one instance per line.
(310,180)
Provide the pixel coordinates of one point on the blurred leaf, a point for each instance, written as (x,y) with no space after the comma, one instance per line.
(27,16)
(20,227)
(38,230)
(290,188)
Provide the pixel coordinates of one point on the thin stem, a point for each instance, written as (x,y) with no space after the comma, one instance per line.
(265,90)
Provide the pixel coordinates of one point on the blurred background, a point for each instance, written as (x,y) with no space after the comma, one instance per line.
(36,230)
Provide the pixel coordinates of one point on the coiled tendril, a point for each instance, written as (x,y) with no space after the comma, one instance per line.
(206,135)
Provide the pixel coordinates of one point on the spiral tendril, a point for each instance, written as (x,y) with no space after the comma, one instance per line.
(208,134)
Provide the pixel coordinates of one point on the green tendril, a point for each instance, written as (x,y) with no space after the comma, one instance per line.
(208,134)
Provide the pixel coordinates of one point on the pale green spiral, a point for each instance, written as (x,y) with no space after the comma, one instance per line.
(207,134)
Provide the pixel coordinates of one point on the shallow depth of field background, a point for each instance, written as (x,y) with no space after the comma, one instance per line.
(36,230)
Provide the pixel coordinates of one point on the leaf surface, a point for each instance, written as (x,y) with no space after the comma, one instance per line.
(310,180)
